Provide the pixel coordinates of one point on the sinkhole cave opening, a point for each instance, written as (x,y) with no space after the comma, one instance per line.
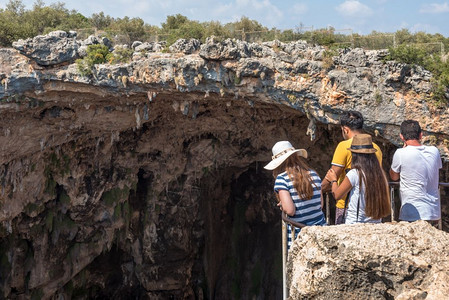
(242,249)
(182,208)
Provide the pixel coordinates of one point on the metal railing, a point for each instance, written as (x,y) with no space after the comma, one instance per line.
(286,221)
(395,185)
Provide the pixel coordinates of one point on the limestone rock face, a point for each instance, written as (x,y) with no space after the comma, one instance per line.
(225,50)
(370,261)
(185,46)
(144,47)
(51,49)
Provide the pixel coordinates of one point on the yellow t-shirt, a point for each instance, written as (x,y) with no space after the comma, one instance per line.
(342,158)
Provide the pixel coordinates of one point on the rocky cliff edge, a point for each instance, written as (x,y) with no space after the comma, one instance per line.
(318,82)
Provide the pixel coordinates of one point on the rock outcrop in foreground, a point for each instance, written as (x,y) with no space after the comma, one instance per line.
(366,261)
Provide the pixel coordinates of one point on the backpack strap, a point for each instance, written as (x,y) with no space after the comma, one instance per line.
(358,206)
(358,200)
(346,206)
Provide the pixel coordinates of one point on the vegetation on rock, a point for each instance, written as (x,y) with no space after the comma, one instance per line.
(96,54)
(434,63)
(16,22)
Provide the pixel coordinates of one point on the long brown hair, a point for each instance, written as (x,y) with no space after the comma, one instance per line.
(298,172)
(377,196)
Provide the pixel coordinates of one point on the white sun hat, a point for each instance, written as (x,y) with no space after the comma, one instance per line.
(281,151)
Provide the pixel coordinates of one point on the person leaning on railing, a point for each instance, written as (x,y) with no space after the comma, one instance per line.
(297,186)
(417,166)
(369,198)
(351,123)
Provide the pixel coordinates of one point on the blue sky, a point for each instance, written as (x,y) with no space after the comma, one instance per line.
(362,16)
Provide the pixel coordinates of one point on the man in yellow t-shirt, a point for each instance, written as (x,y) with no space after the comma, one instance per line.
(351,124)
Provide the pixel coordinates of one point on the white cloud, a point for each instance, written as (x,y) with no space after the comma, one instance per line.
(354,8)
(435,8)
(300,8)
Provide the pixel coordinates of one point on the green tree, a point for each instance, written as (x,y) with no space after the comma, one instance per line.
(12,25)
(16,7)
(289,35)
(43,19)
(133,29)
(174,22)
(179,26)
(407,54)
(101,21)
(246,24)
(403,36)
(215,28)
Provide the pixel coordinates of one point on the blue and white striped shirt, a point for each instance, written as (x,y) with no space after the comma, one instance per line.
(308,211)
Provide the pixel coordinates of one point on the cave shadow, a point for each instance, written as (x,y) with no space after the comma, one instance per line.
(242,255)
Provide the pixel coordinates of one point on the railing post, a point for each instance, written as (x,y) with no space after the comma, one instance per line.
(392,203)
(284,260)
(440,221)
(287,222)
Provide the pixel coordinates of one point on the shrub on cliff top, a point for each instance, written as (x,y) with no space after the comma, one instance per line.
(120,55)
(96,54)
(418,56)
(408,54)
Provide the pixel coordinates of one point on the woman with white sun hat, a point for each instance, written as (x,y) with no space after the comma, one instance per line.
(297,186)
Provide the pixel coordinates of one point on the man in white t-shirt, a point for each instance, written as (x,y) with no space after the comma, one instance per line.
(418,168)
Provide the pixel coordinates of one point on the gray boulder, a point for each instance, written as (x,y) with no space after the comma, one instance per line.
(355,58)
(54,48)
(369,261)
(261,50)
(91,40)
(296,46)
(158,47)
(148,46)
(96,40)
(185,46)
(144,47)
(225,50)
(72,34)
(105,41)
(135,44)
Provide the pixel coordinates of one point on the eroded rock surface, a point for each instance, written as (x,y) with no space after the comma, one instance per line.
(52,49)
(145,179)
(366,261)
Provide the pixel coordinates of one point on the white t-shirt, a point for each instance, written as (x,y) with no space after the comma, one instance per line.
(356,192)
(419,173)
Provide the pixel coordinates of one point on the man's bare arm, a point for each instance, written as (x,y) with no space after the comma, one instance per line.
(326,185)
(393,175)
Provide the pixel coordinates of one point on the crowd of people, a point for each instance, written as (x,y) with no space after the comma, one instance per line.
(357,180)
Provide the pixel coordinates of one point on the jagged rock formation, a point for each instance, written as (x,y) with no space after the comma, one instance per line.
(64,47)
(365,261)
(145,180)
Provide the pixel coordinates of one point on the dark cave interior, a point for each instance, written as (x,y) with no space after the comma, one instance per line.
(201,220)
